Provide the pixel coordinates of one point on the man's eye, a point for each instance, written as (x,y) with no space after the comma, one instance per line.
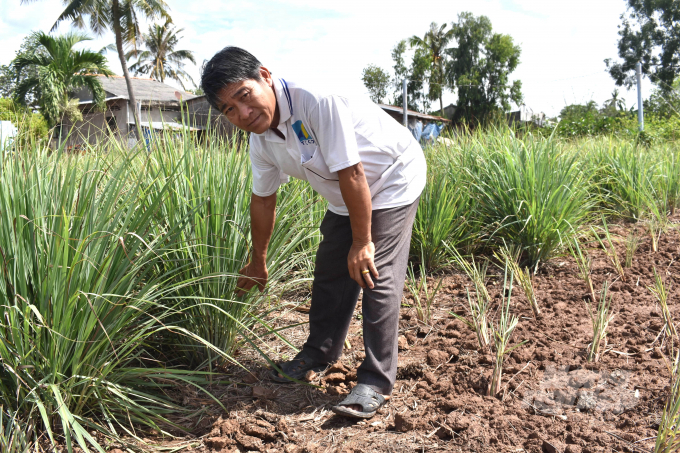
(245,95)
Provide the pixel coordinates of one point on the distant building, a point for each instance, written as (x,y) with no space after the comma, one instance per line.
(201,115)
(525,115)
(158,104)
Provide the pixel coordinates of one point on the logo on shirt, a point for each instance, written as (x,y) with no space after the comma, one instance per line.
(302,134)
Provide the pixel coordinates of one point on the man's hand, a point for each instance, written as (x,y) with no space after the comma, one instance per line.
(252,275)
(359,260)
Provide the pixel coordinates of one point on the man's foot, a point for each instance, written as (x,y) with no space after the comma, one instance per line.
(296,369)
(362,402)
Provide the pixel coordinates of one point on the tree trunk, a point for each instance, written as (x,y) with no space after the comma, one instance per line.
(123,63)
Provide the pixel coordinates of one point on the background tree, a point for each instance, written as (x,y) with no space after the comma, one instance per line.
(649,34)
(615,104)
(480,67)
(160,59)
(416,75)
(9,79)
(434,45)
(376,81)
(119,16)
(57,71)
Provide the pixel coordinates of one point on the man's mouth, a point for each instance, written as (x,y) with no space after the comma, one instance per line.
(255,120)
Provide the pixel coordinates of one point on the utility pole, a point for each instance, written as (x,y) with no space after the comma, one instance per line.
(641,118)
(405,99)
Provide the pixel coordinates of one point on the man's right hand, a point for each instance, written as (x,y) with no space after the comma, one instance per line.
(251,275)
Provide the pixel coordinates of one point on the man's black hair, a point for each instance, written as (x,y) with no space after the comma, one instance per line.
(229,65)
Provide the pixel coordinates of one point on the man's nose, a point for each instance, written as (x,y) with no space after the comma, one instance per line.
(244,111)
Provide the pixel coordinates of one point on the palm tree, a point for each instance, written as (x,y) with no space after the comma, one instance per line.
(58,69)
(160,58)
(121,17)
(616,103)
(434,43)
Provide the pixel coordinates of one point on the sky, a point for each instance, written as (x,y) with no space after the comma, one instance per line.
(326,44)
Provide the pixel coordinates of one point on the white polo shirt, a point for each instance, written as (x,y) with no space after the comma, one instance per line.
(326,133)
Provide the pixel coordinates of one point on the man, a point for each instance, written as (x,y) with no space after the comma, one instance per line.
(371,171)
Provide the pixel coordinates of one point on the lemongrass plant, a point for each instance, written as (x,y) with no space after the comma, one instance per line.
(661,294)
(668,434)
(443,214)
(633,242)
(511,256)
(531,192)
(584,264)
(600,320)
(501,332)
(423,294)
(610,249)
(478,308)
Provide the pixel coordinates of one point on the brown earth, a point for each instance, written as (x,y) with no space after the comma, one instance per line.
(552,400)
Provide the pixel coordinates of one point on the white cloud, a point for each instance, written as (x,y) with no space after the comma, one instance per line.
(327,44)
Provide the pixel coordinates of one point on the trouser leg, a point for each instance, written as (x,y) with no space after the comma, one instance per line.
(391,233)
(334,293)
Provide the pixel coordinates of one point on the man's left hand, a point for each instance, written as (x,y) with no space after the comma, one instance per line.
(359,260)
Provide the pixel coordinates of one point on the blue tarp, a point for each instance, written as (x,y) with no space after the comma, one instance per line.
(431,132)
(417,130)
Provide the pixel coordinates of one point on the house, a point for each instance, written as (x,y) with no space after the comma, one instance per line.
(524,116)
(200,115)
(157,103)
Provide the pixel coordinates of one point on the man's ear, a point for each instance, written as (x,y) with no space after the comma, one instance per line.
(266,76)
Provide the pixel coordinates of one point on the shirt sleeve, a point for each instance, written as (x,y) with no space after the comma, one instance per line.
(266,176)
(333,126)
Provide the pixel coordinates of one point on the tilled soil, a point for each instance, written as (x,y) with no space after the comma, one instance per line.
(551,399)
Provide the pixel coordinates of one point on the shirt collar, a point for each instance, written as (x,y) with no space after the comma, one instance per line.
(283,99)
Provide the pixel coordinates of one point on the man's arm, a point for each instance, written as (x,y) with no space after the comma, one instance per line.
(262,217)
(357,198)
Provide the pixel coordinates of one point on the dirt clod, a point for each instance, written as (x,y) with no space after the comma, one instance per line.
(436,357)
(263,393)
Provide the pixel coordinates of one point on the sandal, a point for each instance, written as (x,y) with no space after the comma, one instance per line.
(364,396)
(296,369)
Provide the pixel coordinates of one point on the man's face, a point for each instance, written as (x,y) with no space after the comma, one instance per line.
(251,104)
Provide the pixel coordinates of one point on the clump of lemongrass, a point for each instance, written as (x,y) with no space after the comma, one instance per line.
(668,435)
(501,333)
(600,320)
(423,295)
(633,242)
(655,230)
(609,249)
(584,264)
(510,255)
(479,306)
(661,294)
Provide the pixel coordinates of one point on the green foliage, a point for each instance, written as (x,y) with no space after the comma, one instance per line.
(160,59)
(530,193)
(433,44)
(480,69)
(648,34)
(59,71)
(10,78)
(376,81)
(110,262)
(30,125)
(444,210)
(416,74)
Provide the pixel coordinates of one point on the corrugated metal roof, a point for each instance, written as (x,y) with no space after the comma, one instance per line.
(146,90)
(394,108)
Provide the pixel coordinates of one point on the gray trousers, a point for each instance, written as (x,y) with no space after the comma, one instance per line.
(335,294)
